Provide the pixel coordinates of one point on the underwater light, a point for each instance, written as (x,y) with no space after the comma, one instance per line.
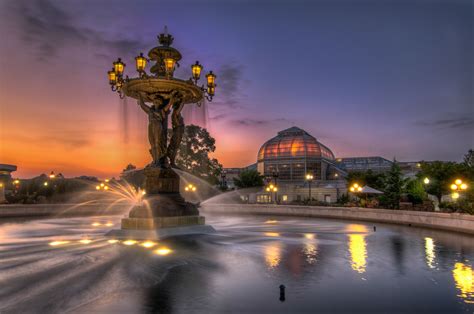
(129,242)
(56,243)
(163,251)
(148,244)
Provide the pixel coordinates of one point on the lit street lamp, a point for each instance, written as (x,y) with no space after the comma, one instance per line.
(456,187)
(426,180)
(272,189)
(355,188)
(309,178)
(190,188)
(275,176)
(223,179)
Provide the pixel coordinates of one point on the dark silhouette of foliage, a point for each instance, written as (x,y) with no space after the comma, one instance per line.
(248,179)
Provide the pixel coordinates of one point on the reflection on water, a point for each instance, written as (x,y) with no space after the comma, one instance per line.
(358,251)
(430,252)
(310,251)
(46,266)
(357,247)
(463,277)
(273,254)
(272,234)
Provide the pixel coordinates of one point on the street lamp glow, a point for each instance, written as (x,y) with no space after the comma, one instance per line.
(97,187)
(211,79)
(458,181)
(140,62)
(16,181)
(45,183)
(190,187)
(426,180)
(454,187)
(119,66)
(112,77)
(196,69)
(455,195)
(169,65)
(309,177)
(463,186)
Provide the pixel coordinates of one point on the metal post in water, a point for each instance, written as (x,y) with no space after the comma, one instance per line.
(282,293)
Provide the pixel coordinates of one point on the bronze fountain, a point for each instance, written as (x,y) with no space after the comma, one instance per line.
(163,212)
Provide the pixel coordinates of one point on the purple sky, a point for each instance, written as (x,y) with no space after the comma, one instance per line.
(381,77)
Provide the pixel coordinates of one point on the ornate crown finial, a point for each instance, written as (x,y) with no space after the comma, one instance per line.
(165,39)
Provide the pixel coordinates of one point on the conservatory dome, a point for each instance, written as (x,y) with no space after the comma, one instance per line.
(293,143)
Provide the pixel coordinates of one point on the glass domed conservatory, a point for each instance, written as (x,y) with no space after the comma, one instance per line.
(293,153)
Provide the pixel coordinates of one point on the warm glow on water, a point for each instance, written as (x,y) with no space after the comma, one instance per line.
(271,221)
(112,241)
(148,244)
(272,234)
(129,242)
(56,243)
(96,224)
(309,236)
(109,224)
(85,241)
(358,251)
(356,228)
(464,278)
(430,252)
(163,251)
(273,254)
(310,251)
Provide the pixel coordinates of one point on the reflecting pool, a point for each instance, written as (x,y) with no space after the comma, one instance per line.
(59,265)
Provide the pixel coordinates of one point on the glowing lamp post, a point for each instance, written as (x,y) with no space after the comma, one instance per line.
(456,187)
(309,177)
(355,188)
(272,189)
(190,188)
(426,181)
(196,70)
(140,63)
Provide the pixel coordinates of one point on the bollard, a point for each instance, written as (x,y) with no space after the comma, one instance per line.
(282,293)
(375,228)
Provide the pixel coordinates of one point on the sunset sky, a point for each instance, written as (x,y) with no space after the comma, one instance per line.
(384,78)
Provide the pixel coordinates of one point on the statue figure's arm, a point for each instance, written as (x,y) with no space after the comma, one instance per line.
(143,106)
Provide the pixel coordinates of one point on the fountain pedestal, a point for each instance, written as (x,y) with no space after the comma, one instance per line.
(163,212)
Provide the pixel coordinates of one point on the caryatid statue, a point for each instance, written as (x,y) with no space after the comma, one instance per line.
(164,154)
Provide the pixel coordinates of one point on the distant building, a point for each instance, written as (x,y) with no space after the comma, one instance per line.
(375,163)
(293,153)
(233,173)
(287,158)
(5,178)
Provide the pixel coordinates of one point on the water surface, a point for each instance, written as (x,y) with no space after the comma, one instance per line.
(66,265)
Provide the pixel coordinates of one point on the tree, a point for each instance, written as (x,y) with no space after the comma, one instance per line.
(370,178)
(469,159)
(441,174)
(129,167)
(193,154)
(394,186)
(248,179)
(416,191)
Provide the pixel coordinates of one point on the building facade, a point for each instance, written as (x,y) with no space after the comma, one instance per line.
(287,158)
(375,163)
